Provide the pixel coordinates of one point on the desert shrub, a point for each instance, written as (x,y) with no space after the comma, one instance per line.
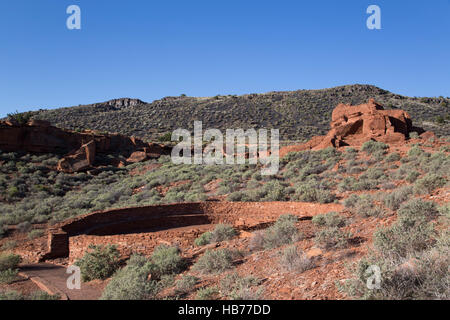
(36,233)
(363,205)
(214,261)
(428,183)
(330,219)
(444,210)
(414,135)
(132,282)
(99,263)
(10,295)
(43,296)
(395,156)
(394,199)
(223,232)
(235,196)
(9,245)
(373,174)
(204,239)
(373,146)
(331,238)
(9,261)
(257,241)
(294,260)
(417,275)
(186,284)
(166,260)
(415,151)
(208,293)
(418,210)
(309,192)
(284,231)
(24,226)
(412,176)
(8,276)
(378,155)
(364,184)
(350,153)
(236,287)
(412,231)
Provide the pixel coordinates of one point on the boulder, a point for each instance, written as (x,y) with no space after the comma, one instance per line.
(80,160)
(137,156)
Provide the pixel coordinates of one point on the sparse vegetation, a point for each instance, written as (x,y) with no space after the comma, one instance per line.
(132,282)
(294,260)
(331,238)
(214,261)
(98,263)
(330,219)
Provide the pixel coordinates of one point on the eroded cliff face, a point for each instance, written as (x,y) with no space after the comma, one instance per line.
(81,150)
(354,125)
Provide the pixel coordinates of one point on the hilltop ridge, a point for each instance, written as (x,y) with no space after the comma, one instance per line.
(298,114)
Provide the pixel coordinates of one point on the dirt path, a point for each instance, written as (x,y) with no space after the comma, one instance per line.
(55,277)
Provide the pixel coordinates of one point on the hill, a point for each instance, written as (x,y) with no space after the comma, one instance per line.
(298,114)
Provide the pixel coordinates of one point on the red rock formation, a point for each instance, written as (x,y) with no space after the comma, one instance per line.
(80,149)
(354,125)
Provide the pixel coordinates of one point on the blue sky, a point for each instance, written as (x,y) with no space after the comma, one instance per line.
(151,49)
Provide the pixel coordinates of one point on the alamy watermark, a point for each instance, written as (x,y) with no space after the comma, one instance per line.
(374,20)
(192,150)
(374,280)
(74,280)
(73,22)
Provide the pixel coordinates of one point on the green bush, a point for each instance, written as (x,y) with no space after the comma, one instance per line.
(415,151)
(310,193)
(221,232)
(331,238)
(284,231)
(186,284)
(428,183)
(99,263)
(395,156)
(132,282)
(363,205)
(43,296)
(394,199)
(166,260)
(293,260)
(412,231)
(36,233)
(330,219)
(214,261)
(208,293)
(204,239)
(10,295)
(418,275)
(412,176)
(235,287)
(9,261)
(373,146)
(8,276)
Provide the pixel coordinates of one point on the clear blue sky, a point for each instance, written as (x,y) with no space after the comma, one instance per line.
(150,49)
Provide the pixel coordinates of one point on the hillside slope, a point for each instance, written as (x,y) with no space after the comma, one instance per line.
(298,114)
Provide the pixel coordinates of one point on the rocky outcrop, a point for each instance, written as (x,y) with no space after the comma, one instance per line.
(81,150)
(354,125)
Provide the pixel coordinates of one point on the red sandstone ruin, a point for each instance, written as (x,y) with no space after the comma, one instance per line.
(82,150)
(354,125)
